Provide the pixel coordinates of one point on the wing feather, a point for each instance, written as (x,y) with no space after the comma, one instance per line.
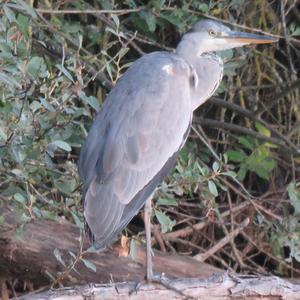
(133,142)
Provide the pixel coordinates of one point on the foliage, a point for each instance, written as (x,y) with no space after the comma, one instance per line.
(260,158)
(56,69)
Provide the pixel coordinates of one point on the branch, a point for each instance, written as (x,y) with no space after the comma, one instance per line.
(218,286)
(89,11)
(201,225)
(253,115)
(31,256)
(220,244)
(237,128)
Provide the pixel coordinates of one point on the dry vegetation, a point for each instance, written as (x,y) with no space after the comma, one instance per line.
(233,199)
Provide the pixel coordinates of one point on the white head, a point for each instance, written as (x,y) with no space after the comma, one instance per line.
(210,36)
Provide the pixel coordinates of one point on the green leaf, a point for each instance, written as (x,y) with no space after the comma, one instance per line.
(166,223)
(294,196)
(65,185)
(241,174)
(167,201)
(89,264)
(23,24)
(203,7)
(294,29)
(65,72)
(215,166)
(262,172)
(62,145)
(231,174)
(150,20)
(48,215)
(34,65)
(173,19)
(58,257)
(236,156)
(90,100)
(116,20)
(20,198)
(262,129)
(21,4)
(247,142)
(9,14)
(10,81)
(213,188)
(296,32)
(3,135)
(77,221)
(123,52)
(46,104)
(221,89)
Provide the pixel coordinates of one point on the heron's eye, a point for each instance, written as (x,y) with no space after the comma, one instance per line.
(212,33)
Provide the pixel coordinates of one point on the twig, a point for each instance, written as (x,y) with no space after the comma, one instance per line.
(100,75)
(277,259)
(237,128)
(204,256)
(231,241)
(268,212)
(130,39)
(267,106)
(205,141)
(217,258)
(89,11)
(288,49)
(189,230)
(158,237)
(253,115)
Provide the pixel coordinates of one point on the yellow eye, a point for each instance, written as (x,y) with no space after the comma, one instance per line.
(211,32)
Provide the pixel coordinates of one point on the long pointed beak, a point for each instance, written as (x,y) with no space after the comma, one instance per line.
(250,38)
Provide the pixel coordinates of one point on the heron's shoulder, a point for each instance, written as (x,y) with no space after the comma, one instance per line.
(167,63)
(161,58)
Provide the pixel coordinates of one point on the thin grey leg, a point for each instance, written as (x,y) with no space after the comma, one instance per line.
(147,220)
(150,277)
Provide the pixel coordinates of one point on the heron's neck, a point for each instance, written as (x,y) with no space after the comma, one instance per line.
(208,66)
(187,49)
(190,48)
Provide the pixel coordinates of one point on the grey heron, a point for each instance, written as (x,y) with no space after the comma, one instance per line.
(144,122)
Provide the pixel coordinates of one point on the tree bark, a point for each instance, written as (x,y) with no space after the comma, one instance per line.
(220,286)
(29,255)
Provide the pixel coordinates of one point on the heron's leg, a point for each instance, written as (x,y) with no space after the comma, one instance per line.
(147,220)
(150,277)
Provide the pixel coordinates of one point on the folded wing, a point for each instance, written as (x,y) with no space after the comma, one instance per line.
(133,142)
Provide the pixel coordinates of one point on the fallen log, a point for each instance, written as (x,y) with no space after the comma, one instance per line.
(30,255)
(221,286)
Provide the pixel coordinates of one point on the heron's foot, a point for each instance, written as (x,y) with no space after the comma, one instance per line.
(162,280)
(167,283)
(136,287)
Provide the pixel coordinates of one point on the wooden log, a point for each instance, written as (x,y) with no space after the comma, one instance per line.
(222,286)
(30,256)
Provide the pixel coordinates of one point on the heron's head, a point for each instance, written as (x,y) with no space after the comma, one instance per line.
(210,36)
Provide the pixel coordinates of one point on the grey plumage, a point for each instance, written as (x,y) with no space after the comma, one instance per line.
(123,158)
(143,124)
